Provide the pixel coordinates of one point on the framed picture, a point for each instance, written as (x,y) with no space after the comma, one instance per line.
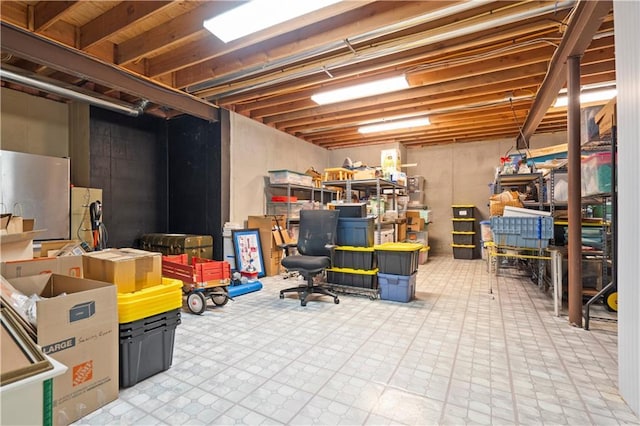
(248,250)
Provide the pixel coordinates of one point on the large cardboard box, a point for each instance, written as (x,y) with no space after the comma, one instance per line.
(129,269)
(80,330)
(270,250)
(66,265)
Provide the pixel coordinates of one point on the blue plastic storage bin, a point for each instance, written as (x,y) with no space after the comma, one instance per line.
(355,231)
(521,231)
(399,288)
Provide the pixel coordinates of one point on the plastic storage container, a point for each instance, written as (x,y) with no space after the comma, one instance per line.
(353,277)
(464,211)
(528,232)
(424,255)
(146,347)
(351,209)
(596,174)
(463,225)
(354,257)
(398,258)
(463,237)
(384,236)
(356,232)
(289,177)
(399,288)
(463,251)
(485,230)
(150,301)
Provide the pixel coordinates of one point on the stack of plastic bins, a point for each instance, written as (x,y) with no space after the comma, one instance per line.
(397,270)
(353,267)
(464,230)
(148,319)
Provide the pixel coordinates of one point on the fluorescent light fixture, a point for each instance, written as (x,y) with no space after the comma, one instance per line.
(363,90)
(257,15)
(588,97)
(394,125)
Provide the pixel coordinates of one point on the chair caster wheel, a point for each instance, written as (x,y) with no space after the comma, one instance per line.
(336,301)
(303,303)
(281,295)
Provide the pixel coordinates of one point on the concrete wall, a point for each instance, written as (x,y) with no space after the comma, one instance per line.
(33,125)
(368,155)
(454,174)
(627,16)
(256,149)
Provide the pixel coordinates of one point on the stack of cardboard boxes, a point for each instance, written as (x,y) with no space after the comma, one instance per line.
(78,321)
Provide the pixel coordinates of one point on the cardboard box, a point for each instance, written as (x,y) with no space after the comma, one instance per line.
(18,246)
(415,225)
(49,248)
(80,330)
(67,265)
(266,226)
(129,269)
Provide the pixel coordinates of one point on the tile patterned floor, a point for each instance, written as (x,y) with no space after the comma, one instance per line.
(455,355)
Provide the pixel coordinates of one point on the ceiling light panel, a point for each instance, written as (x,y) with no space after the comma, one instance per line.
(588,97)
(257,15)
(362,90)
(395,125)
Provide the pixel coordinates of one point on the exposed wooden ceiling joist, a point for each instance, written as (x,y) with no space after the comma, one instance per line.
(476,67)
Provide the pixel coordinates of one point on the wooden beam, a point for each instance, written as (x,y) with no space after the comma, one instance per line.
(211,47)
(38,49)
(187,26)
(47,12)
(116,20)
(585,21)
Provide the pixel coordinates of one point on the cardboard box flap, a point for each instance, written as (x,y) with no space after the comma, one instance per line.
(21,236)
(52,285)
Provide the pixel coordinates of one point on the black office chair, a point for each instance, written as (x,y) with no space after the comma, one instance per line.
(316,240)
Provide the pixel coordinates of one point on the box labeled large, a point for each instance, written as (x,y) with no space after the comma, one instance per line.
(193,245)
(80,330)
(129,269)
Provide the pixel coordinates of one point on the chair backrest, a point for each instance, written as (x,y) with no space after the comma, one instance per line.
(318,229)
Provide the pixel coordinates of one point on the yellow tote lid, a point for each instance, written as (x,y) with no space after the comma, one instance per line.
(463,246)
(354,271)
(398,246)
(351,248)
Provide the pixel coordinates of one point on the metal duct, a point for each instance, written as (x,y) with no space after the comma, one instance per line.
(133,111)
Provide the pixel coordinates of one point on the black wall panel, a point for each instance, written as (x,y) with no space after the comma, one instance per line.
(194,179)
(129,162)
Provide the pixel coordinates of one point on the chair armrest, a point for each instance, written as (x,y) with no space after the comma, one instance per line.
(332,250)
(286,247)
